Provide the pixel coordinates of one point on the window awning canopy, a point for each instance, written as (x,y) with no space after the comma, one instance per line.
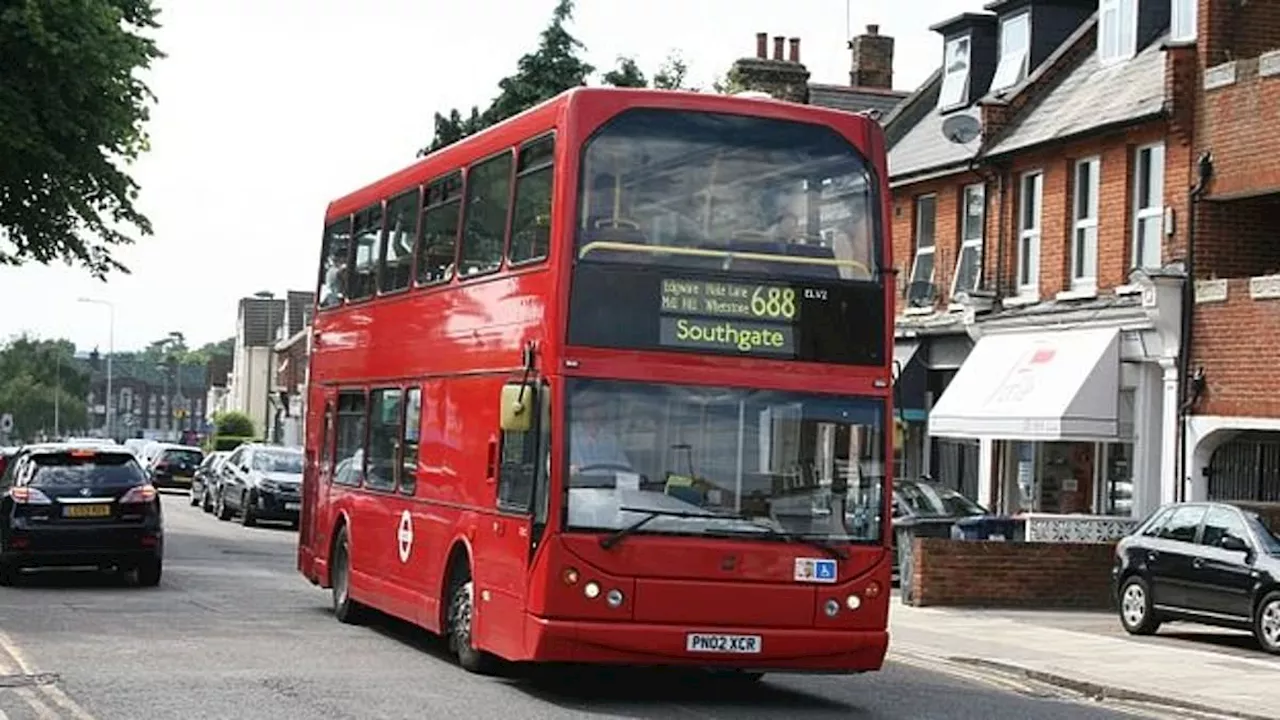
(1049,385)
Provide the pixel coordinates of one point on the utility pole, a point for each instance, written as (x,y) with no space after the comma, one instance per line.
(57,393)
(111,350)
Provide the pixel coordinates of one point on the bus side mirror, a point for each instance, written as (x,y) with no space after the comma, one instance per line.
(518,402)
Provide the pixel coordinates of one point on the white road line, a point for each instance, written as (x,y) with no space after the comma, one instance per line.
(44,712)
(50,692)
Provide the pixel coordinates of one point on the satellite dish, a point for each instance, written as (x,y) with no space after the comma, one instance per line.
(961,128)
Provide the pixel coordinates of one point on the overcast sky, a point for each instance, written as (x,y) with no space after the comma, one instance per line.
(268,109)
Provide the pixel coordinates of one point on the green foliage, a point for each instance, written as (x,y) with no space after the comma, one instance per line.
(228,442)
(34,372)
(673,74)
(72,111)
(555,66)
(626,75)
(234,424)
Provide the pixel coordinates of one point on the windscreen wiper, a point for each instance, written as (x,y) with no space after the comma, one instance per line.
(814,542)
(650,515)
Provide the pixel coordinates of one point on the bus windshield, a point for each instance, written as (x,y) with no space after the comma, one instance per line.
(718,460)
(750,195)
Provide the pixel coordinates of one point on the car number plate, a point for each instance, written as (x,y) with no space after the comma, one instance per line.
(742,644)
(86,511)
(293,506)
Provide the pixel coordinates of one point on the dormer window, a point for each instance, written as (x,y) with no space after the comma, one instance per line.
(955,79)
(1183,24)
(1015,48)
(1117,30)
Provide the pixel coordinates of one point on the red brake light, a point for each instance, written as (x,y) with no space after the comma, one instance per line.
(82,452)
(29,496)
(138,496)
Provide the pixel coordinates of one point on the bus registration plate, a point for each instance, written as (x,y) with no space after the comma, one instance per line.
(745,644)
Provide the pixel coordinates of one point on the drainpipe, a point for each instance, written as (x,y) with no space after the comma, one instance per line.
(1186,398)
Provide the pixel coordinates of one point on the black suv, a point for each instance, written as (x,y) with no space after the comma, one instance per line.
(74,506)
(1206,562)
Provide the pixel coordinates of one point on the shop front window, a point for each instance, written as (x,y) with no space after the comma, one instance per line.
(1117,487)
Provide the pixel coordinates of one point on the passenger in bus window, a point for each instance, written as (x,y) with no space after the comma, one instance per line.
(334,281)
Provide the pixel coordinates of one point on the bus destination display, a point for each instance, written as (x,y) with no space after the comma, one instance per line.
(713,315)
(626,307)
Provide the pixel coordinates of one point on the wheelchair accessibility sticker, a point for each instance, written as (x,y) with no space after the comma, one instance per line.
(815,570)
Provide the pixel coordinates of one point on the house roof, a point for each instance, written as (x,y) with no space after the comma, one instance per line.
(1093,97)
(923,147)
(856,99)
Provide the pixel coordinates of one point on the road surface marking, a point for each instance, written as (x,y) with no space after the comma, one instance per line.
(50,692)
(44,712)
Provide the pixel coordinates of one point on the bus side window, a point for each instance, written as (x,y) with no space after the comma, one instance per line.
(384,437)
(488,190)
(531,218)
(362,281)
(410,433)
(518,463)
(326,443)
(333,263)
(350,438)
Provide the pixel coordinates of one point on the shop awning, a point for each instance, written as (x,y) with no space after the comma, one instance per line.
(1048,385)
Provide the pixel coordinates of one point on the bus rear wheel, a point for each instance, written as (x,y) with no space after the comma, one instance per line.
(461,615)
(345,609)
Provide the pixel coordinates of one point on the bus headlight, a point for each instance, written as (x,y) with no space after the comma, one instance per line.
(591,590)
(853,602)
(614,598)
(570,576)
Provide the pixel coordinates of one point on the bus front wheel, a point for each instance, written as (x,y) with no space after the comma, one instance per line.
(462,610)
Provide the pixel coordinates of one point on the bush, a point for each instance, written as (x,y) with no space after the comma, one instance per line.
(230,442)
(234,424)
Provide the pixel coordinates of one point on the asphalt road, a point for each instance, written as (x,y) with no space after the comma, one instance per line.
(234,632)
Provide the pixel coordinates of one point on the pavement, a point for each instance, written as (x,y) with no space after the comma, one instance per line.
(1206,672)
(234,632)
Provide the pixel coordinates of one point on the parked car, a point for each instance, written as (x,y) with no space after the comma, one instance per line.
(70,505)
(261,482)
(174,466)
(923,508)
(206,479)
(1207,562)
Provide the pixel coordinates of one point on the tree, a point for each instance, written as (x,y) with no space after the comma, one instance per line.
(672,74)
(626,74)
(72,112)
(555,66)
(205,353)
(35,372)
(234,424)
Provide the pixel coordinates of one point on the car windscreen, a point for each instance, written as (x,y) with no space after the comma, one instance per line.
(183,458)
(89,470)
(278,461)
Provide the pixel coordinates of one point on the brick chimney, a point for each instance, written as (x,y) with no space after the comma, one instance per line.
(783,75)
(872,60)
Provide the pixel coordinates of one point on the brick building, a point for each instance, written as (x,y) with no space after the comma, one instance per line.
(1232,67)
(1043,208)
(151,400)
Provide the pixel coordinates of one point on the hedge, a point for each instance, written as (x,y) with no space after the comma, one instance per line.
(230,442)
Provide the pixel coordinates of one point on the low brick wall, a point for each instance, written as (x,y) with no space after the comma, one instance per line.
(974,573)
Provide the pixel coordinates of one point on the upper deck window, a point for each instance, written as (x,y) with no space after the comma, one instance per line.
(333,264)
(397,242)
(484,229)
(729,193)
(363,280)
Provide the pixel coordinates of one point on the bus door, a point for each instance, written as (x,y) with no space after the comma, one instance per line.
(517,466)
(313,523)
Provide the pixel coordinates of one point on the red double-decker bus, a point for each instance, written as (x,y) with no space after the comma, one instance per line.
(610,382)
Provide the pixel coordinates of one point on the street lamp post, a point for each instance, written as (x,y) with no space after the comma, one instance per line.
(111,349)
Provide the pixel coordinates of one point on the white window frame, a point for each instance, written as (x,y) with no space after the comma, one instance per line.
(1012,68)
(931,250)
(1085,277)
(1118,23)
(1153,213)
(955,83)
(1183,19)
(967,242)
(1029,236)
